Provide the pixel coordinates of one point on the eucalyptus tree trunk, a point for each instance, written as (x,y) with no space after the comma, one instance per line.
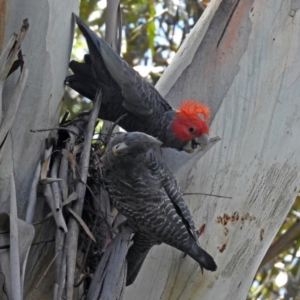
(46,51)
(242,59)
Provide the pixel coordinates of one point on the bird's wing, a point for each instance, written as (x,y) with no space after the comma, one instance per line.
(175,195)
(141,98)
(173,192)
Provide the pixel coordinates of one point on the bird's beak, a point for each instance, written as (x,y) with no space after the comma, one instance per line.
(202,140)
(119,149)
(188,147)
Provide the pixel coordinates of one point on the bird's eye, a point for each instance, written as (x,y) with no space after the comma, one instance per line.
(191,129)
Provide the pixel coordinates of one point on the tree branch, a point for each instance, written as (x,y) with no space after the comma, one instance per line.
(284,242)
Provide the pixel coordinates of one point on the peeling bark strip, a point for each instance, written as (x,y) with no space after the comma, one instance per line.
(15,241)
(112,269)
(11,112)
(10,53)
(8,59)
(15,268)
(3,17)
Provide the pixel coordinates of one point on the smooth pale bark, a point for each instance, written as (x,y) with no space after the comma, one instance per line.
(242,58)
(46,51)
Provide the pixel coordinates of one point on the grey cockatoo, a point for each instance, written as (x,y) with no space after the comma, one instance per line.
(142,188)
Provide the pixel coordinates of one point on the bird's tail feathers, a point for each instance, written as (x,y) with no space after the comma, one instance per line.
(82,81)
(135,259)
(101,51)
(204,259)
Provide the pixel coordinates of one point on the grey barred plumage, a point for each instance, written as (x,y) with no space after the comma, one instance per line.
(127,93)
(143,188)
